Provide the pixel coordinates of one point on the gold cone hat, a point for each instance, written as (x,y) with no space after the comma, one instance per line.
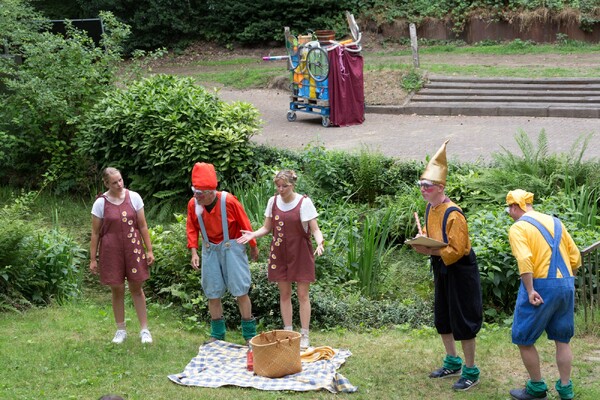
(437,168)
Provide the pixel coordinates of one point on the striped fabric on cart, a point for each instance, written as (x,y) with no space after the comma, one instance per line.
(222,363)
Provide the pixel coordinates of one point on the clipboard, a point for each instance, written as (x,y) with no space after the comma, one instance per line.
(425,241)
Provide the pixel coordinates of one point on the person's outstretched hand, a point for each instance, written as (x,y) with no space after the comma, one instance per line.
(246,237)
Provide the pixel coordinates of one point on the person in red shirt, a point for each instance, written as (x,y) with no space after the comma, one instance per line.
(218,218)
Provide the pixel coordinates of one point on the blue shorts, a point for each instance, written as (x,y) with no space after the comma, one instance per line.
(225,266)
(556,315)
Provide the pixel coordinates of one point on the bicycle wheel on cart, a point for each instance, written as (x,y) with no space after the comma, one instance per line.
(293,49)
(317,64)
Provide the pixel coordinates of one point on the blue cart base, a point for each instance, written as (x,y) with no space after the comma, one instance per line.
(309,106)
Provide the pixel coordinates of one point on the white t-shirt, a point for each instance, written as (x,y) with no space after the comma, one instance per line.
(98,207)
(307,209)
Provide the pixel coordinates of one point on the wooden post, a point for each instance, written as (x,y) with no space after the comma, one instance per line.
(414,45)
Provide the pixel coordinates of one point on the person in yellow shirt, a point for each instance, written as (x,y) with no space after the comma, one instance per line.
(458,309)
(548,259)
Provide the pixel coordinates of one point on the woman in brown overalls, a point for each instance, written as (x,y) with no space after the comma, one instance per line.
(291,218)
(120,232)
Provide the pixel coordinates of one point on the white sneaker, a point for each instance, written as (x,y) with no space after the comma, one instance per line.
(146,336)
(304,342)
(120,336)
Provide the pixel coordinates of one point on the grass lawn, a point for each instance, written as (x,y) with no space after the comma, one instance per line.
(64,352)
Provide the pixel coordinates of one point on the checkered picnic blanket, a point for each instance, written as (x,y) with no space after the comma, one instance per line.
(222,363)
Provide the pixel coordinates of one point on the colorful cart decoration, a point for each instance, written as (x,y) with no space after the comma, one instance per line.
(308,62)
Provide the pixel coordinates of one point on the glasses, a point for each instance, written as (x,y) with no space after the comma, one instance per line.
(198,192)
(426,185)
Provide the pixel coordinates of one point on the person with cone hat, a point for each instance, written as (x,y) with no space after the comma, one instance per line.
(218,218)
(458,309)
(547,259)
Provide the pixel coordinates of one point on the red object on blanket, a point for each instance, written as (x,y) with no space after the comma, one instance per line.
(250,360)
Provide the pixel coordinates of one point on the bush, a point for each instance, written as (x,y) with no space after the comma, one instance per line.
(356,312)
(488,229)
(175,283)
(37,265)
(172,279)
(59,79)
(156,129)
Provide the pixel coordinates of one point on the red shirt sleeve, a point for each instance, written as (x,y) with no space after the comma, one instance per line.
(192,226)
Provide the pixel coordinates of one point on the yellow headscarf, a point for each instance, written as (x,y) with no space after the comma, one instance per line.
(520,197)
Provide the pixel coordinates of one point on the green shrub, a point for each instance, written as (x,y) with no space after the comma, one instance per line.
(361,177)
(367,179)
(358,313)
(56,264)
(172,279)
(488,229)
(369,248)
(412,81)
(156,130)
(173,282)
(37,265)
(327,171)
(60,79)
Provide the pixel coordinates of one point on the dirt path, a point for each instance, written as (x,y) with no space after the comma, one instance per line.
(411,136)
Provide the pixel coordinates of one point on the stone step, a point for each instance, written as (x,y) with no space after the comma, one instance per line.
(487,109)
(513,86)
(466,97)
(504,80)
(548,97)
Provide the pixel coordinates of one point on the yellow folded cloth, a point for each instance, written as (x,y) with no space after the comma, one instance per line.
(313,354)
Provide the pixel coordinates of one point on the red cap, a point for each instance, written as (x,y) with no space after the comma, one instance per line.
(204,176)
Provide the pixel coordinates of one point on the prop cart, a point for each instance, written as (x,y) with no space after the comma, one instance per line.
(308,61)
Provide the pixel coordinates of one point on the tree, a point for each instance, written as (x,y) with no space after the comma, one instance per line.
(59,79)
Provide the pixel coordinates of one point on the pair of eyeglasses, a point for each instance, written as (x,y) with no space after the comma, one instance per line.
(425,185)
(198,192)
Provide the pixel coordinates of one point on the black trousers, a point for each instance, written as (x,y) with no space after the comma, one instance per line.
(458,306)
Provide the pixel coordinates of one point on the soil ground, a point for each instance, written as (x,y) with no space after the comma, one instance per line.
(401,136)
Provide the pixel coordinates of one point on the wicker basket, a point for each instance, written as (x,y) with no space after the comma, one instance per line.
(276,353)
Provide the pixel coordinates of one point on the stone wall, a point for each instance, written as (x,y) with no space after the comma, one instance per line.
(478,29)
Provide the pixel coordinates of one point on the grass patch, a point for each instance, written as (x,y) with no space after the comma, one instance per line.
(218,63)
(241,78)
(516,72)
(515,47)
(65,353)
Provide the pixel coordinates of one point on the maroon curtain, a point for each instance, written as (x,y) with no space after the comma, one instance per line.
(346,90)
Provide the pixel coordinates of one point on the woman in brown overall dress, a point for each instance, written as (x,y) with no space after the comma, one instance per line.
(291,218)
(120,232)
